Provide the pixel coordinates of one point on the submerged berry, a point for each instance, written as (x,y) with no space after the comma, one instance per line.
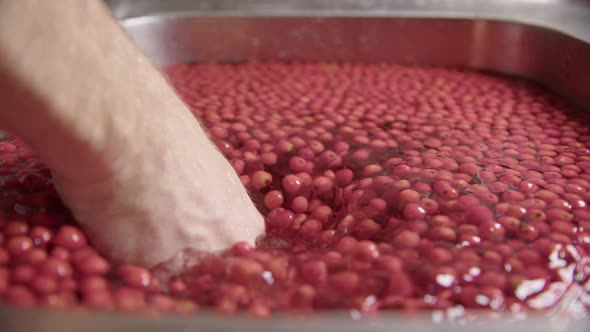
(384,187)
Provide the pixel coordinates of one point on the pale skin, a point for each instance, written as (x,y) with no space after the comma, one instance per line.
(128,158)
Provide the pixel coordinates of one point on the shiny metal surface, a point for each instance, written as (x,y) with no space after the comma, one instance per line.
(551,48)
(19,321)
(570,16)
(544,40)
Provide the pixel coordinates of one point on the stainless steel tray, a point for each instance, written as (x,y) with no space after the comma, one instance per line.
(543,40)
(547,41)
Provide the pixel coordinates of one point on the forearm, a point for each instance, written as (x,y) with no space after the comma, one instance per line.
(49,99)
(128,158)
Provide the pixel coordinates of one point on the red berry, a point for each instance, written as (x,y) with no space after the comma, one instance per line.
(273,199)
(70,238)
